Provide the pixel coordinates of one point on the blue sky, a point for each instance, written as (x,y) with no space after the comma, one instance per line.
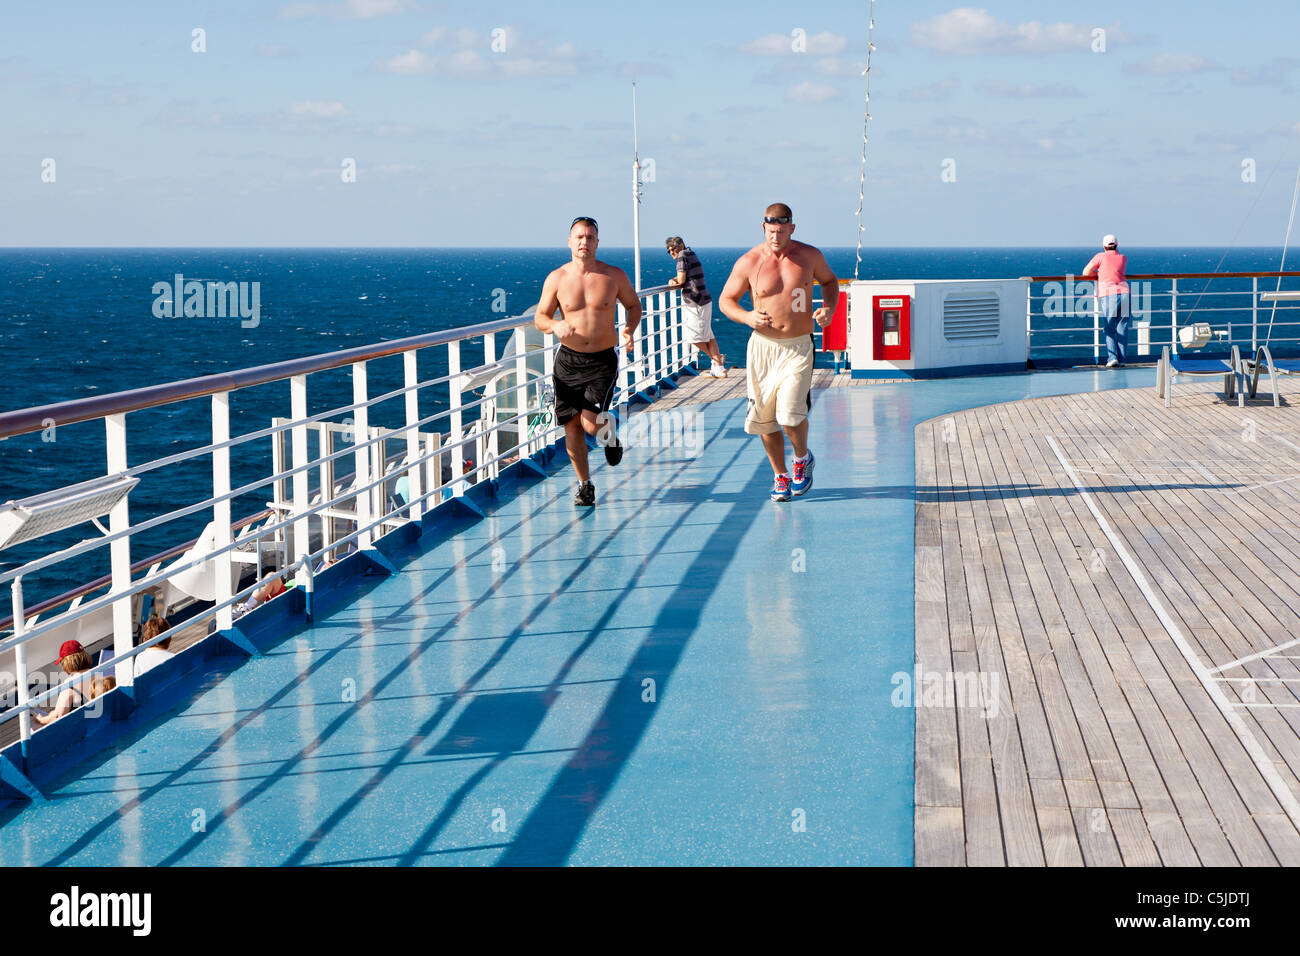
(460,144)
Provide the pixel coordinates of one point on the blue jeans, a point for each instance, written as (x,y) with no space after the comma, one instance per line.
(1115,312)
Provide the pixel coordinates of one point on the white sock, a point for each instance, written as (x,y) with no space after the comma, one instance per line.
(805,457)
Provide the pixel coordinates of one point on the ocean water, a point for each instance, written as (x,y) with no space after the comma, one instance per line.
(85,322)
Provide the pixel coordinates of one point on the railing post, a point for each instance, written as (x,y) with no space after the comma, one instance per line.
(635,365)
(489,406)
(414,483)
(1173,316)
(453,391)
(662,357)
(548,378)
(1254,316)
(308,584)
(298,435)
(679,336)
(1096,326)
(361,456)
(119,520)
(433,467)
(1029,319)
(523,445)
(20,659)
(221,509)
(327,448)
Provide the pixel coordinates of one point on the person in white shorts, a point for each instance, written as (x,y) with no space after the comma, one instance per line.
(779,274)
(697,304)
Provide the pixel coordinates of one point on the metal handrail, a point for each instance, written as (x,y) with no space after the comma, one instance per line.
(67,597)
(1172,275)
(27,420)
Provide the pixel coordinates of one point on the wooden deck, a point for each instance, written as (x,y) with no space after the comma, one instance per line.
(1127,579)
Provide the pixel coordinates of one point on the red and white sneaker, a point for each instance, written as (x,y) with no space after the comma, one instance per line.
(803,475)
(781,488)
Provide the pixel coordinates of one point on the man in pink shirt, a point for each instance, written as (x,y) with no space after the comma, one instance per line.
(1112,297)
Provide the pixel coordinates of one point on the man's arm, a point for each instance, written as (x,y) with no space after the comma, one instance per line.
(631,305)
(729,302)
(681,276)
(544,317)
(825,278)
(1091,267)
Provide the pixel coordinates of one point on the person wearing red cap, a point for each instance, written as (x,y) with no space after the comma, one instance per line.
(73,659)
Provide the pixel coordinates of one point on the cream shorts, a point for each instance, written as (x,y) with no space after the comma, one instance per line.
(697,322)
(778,379)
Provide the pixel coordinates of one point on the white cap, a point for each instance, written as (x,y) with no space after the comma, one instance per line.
(1108,241)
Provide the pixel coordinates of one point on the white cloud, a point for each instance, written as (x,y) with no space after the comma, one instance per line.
(319,109)
(938,90)
(528,66)
(466,52)
(1275,72)
(1170,64)
(973,30)
(297,11)
(345,10)
(465,63)
(779,44)
(410,63)
(1027,91)
(947,129)
(370,9)
(831,66)
(638,68)
(811,93)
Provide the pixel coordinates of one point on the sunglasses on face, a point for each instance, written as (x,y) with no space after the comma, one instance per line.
(584,219)
(772,220)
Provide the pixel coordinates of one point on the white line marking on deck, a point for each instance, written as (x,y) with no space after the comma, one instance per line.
(1259,680)
(1252,657)
(1257,754)
(1289,444)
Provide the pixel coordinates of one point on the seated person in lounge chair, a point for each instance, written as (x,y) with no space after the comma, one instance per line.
(152,656)
(74,660)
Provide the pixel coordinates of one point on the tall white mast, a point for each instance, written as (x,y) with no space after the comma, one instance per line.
(636,197)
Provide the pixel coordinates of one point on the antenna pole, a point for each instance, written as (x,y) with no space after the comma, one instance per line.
(636,197)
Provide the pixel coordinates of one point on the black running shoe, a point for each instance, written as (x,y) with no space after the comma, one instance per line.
(614,453)
(585,496)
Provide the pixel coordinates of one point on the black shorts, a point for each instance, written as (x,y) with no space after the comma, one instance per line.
(584,380)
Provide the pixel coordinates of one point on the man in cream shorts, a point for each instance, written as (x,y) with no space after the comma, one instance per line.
(697,304)
(779,274)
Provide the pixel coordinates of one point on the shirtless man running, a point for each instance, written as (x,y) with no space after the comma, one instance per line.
(779,275)
(586,365)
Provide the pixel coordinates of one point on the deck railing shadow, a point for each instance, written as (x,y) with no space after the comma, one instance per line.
(507,735)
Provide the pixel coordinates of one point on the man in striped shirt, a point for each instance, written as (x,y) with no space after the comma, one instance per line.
(697,304)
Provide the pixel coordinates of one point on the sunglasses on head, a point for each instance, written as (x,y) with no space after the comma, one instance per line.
(772,220)
(584,219)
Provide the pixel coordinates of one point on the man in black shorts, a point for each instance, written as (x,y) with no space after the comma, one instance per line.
(586,366)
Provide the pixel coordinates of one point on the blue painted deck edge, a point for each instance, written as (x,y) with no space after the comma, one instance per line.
(955,371)
(77,737)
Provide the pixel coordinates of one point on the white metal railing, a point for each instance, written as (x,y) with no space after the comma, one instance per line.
(1064,319)
(515,421)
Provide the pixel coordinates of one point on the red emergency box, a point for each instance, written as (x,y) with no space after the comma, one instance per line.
(891,323)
